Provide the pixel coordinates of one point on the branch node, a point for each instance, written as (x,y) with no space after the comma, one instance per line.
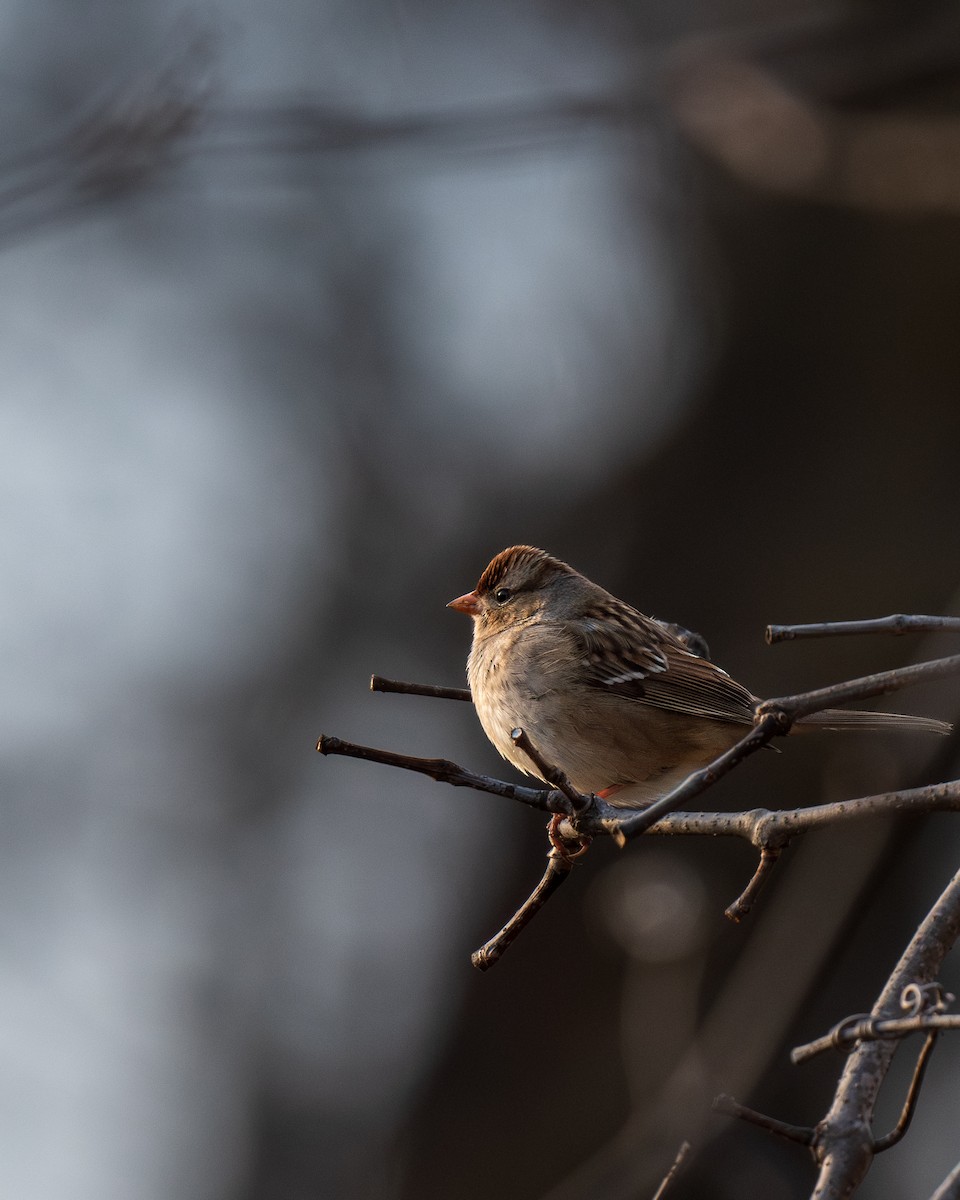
(774,713)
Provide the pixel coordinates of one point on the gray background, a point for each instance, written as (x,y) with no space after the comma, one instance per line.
(669,289)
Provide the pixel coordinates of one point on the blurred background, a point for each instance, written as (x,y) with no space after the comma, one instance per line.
(306,310)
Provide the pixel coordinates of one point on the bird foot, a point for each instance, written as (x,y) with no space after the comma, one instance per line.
(563,848)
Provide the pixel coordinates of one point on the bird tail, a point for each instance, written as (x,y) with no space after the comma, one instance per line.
(841,719)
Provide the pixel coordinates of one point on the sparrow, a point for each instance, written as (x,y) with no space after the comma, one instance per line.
(626,706)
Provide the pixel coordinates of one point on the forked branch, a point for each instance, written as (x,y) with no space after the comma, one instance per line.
(842,1142)
(579,817)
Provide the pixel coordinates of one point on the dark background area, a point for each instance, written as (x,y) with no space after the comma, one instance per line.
(305,312)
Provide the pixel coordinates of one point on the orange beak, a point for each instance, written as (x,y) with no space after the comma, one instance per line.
(469,604)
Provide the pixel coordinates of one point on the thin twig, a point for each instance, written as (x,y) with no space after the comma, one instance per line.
(806,1137)
(379,684)
(553,775)
(624,828)
(760,826)
(866,1029)
(864,688)
(733,1108)
(896,624)
(672,1173)
(445,771)
(776,717)
(769,856)
(557,872)
(910,1104)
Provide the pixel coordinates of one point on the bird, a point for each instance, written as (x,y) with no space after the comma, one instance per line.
(626,706)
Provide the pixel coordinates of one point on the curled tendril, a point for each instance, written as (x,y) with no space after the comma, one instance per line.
(917,998)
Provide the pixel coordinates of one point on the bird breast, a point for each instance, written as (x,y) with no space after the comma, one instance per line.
(527,677)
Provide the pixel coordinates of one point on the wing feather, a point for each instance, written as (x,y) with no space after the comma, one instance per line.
(640,659)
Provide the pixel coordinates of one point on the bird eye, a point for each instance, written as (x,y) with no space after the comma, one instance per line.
(502,595)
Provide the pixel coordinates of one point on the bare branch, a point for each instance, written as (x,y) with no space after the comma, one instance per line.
(924,1006)
(379,684)
(769,857)
(775,718)
(445,771)
(910,1103)
(767,727)
(897,624)
(764,828)
(866,1029)
(580,803)
(844,1144)
(558,870)
(793,1133)
(867,686)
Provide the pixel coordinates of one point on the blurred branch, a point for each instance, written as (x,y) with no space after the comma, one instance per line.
(950,1188)
(762,108)
(120,143)
(145,125)
(743,100)
(759,105)
(672,1173)
(307,124)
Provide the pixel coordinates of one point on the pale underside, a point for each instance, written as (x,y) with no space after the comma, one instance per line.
(624,726)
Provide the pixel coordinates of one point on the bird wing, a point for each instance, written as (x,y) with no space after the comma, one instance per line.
(635,657)
(696,643)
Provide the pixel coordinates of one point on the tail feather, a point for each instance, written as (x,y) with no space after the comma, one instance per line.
(841,719)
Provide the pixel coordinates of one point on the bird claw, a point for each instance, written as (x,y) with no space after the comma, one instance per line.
(562,847)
